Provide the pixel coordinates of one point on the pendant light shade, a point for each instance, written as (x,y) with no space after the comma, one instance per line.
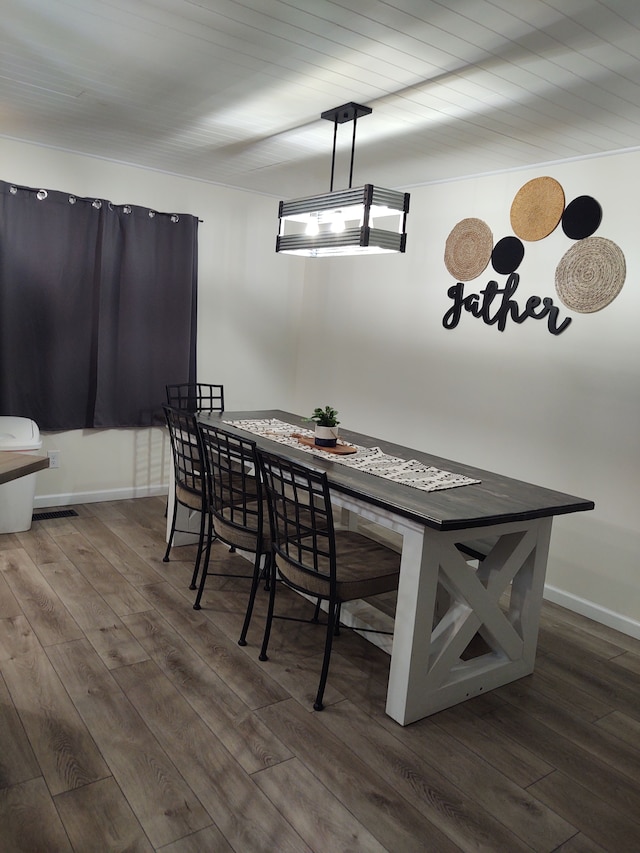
(364,220)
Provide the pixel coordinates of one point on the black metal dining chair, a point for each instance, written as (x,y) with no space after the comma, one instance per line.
(237,507)
(190,480)
(311,556)
(196,397)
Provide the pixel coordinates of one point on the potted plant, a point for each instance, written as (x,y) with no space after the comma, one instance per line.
(326,432)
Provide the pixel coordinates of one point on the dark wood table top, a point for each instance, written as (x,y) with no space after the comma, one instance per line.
(14,465)
(495,500)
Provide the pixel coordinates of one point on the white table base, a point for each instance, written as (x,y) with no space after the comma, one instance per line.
(443,602)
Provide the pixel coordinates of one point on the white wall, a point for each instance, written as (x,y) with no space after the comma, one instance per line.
(247,313)
(561,411)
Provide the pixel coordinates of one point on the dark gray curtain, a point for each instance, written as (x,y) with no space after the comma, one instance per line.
(97,309)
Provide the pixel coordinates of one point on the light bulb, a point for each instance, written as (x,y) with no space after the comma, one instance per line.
(337,222)
(312,225)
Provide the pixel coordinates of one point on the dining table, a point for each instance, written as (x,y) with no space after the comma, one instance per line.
(474,547)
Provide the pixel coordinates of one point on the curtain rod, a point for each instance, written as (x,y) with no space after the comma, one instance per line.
(41,194)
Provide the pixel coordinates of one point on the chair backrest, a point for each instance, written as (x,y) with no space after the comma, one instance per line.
(196,397)
(235,492)
(186,445)
(301,521)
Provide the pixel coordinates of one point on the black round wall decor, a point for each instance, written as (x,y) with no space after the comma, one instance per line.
(507,255)
(581,217)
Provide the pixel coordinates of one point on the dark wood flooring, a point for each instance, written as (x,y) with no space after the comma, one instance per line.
(129,721)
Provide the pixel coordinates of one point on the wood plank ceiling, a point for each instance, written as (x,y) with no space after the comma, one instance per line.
(231,91)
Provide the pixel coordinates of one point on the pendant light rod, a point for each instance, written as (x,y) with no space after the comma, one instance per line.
(353,149)
(340,115)
(333,156)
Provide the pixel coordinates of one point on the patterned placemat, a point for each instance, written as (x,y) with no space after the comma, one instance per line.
(370,460)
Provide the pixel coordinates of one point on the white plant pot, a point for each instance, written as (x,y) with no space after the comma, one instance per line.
(326,436)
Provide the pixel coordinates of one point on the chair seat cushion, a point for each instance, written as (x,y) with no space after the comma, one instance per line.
(188,498)
(229,528)
(363,568)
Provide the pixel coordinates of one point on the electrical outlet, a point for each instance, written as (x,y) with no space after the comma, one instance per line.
(54,458)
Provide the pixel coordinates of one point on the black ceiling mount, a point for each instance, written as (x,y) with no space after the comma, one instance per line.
(339,115)
(347,112)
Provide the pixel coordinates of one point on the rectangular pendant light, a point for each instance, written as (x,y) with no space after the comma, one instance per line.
(361,221)
(364,220)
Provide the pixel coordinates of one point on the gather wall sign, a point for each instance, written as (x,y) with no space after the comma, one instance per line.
(588,277)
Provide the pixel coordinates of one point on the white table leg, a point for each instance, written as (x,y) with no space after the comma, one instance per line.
(430,669)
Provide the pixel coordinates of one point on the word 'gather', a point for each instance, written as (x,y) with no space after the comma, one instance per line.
(495,311)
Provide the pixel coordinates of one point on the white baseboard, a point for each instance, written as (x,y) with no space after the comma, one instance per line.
(593,611)
(42,501)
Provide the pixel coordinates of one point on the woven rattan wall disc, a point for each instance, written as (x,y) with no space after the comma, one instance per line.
(590,275)
(537,209)
(468,249)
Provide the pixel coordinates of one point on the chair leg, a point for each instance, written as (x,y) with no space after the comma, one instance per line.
(205,563)
(316,613)
(272,598)
(257,574)
(328,643)
(201,545)
(165,559)
(336,629)
(205,566)
(266,576)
